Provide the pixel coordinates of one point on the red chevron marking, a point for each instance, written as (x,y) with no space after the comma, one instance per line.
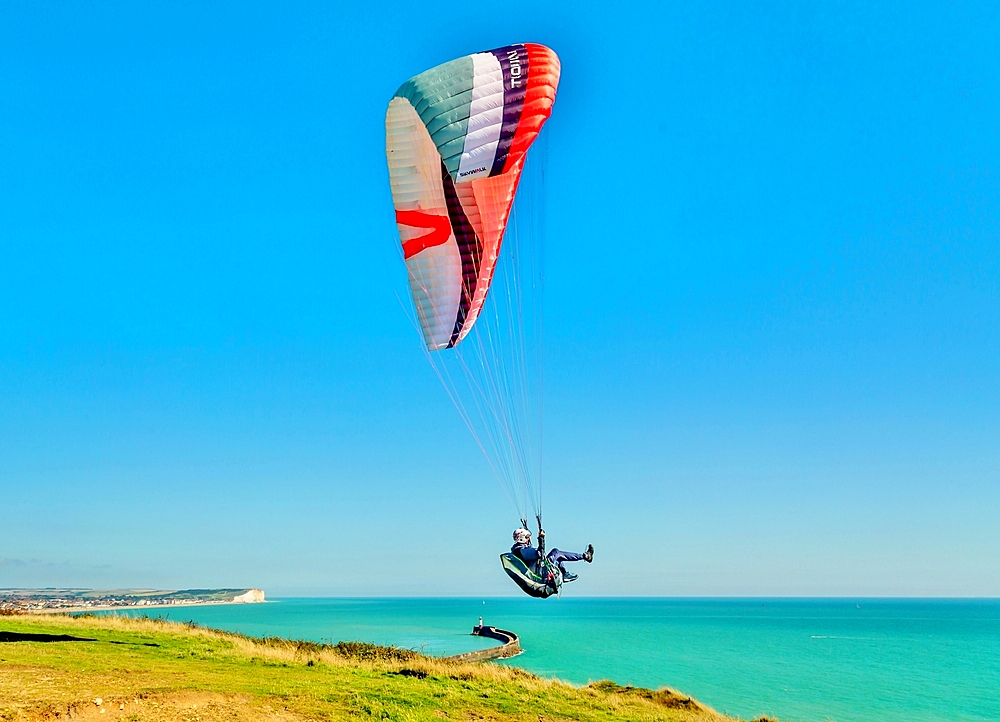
(440,230)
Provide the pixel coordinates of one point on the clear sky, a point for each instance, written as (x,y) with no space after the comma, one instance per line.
(772,301)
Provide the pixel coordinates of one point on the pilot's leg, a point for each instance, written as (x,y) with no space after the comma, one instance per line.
(557,556)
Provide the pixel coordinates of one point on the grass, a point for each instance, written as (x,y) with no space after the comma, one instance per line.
(144,669)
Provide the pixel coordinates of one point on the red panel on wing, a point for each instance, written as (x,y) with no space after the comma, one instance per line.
(440,230)
(543,79)
(494,198)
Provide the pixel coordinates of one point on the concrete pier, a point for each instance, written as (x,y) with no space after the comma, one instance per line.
(509,647)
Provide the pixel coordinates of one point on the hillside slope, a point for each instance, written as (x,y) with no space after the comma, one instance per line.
(111,668)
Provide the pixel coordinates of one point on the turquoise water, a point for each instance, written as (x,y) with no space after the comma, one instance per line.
(810,660)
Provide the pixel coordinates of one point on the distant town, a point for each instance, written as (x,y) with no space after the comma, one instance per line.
(82,600)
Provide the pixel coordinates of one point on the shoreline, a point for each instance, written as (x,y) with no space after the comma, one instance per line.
(115,607)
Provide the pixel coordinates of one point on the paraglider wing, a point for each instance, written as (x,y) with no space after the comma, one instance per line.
(456,139)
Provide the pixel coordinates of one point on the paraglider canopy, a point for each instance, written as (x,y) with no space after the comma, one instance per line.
(456,139)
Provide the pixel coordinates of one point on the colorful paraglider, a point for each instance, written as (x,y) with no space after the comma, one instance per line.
(457,139)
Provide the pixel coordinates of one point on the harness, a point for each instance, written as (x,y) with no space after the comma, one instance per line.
(541,579)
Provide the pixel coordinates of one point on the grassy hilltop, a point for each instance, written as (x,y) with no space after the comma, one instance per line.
(142,669)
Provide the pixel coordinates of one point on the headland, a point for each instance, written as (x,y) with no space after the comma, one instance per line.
(53,601)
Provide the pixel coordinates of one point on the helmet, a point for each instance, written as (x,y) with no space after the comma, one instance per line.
(522,536)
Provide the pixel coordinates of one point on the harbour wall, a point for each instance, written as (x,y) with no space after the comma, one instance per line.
(509,647)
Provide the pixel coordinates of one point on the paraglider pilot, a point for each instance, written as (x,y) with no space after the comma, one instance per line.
(530,555)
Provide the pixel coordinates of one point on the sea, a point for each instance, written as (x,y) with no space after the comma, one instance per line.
(808,660)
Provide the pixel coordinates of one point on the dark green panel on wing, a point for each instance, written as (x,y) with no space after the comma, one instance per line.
(442,97)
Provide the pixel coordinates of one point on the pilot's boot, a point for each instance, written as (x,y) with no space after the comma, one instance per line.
(569,576)
(588,556)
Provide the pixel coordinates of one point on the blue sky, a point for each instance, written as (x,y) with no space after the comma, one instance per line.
(772,301)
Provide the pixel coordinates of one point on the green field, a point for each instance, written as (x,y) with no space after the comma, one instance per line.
(142,669)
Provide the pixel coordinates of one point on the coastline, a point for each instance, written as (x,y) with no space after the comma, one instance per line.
(115,607)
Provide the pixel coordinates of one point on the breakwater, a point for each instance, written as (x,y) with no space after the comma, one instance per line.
(510,645)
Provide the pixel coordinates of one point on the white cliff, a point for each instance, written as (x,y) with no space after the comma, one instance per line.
(253,595)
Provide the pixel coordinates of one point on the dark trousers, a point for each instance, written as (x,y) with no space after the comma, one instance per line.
(557,556)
